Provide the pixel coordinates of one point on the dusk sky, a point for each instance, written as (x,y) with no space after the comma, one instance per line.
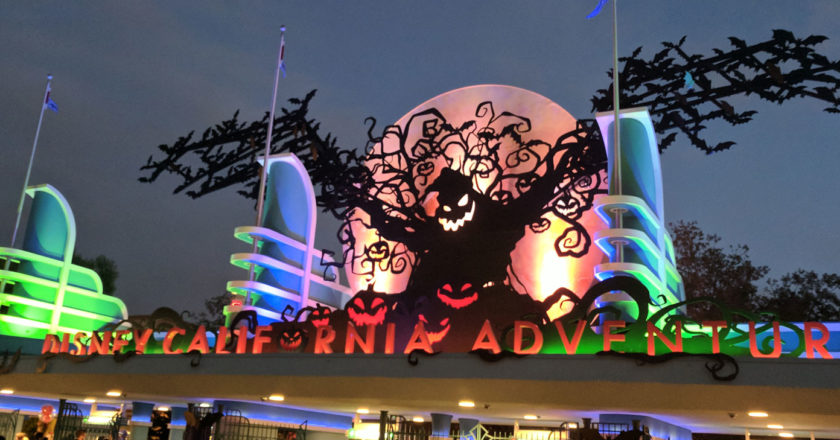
(132,75)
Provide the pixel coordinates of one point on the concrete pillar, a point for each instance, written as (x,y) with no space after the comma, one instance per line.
(441,425)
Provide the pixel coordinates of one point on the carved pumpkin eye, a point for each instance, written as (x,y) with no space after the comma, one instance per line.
(446,208)
(444,322)
(463,201)
(358,302)
(466,287)
(447,287)
(376,303)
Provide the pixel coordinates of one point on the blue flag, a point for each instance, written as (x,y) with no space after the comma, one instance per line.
(49,103)
(597,10)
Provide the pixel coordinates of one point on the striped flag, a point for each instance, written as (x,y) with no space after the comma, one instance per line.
(49,103)
(283,51)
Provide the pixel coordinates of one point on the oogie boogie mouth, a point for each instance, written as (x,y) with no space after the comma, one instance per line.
(455,224)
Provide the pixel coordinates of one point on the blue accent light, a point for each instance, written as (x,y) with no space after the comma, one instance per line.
(294,416)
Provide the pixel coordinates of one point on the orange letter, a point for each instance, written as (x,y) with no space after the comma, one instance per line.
(715,325)
(100,346)
(653,332)
(170,336)
(609,337)
(517,337)
(819,344)
(419,340)
(199,341)
(65,342)
(324,336)
(570,347)
(486,340)
(51,344)
(389,338)
(221,340)
(119,342)
(140,341)
(241,339)
(777,342)
(260,339)
(352,338)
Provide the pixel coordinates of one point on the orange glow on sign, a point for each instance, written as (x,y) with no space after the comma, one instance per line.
(538,270)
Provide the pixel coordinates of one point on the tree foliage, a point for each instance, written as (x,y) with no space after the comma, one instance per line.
(803,295)
(712,271)
(211,317)
(728,275)
(105,267)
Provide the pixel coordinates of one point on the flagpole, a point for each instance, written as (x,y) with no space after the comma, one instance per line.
(26,179)
(264,172)
(619,212)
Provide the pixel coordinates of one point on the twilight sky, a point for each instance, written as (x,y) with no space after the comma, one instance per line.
(132,75)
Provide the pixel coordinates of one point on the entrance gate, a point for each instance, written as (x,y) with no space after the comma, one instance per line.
(8,424)
(71,419)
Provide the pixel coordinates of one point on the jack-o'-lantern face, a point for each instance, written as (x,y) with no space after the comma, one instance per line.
(291,338)
(378,251)
(456,200)
(457,297)
(436,331)
(320,316)
(367,308)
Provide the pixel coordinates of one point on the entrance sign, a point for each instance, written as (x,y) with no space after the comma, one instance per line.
(475,234)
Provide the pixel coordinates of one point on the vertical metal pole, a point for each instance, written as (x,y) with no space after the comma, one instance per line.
(263,174)
(26,180)
(619,212)
(383,424)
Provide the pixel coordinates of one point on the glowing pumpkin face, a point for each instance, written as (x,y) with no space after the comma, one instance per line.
(367,308)
(436,331)
(320,316)
(459,297)
(292,338)
(378,251)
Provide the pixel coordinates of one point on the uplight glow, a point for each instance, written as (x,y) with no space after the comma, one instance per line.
(417,419)
(162,408)
(466,404)
(530,417)
(775,426)
(89,400)
(276,397)
(362,411)
(786,434)
(204,405)
(757,414)
(7,391)
(114,393)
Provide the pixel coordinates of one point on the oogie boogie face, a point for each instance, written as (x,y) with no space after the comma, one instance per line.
(456,200)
